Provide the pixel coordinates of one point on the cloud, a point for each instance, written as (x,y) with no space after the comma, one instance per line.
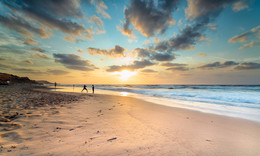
(203,12)
(58,72)
(183,41)
(134,66)
(212,26)
(142,52)
(27,61)
(240,5)
(2,66)
(72,61)
(178,69)
(202,54)
(218,65)
(254,32)
(168,64)
(114,52)
(29,71)
(148,71)
(9,40)
(203,38)
(200,8)
(39,55)
(248,66)
(71,39)
(148,18)
(49,14)
(96,20)
(39,49)
(3,59)
(29,41)
(80,51)
(12,49)
(101,7)
(163,57)
(175,66)
(22,26)
(250,45)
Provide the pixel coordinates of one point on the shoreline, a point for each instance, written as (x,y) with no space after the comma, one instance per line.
(175,103)
(116,125)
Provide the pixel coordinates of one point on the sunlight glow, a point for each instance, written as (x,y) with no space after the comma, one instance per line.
(124,93)
(125,74)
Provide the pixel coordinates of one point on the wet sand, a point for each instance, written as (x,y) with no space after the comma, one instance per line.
(50,123)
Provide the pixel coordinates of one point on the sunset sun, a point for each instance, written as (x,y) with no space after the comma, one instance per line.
(125,74)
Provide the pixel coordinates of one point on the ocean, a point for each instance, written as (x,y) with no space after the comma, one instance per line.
(242,101)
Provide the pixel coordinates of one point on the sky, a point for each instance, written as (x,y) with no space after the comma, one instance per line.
(131,41)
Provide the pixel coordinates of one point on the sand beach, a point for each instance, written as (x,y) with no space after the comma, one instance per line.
(37,121)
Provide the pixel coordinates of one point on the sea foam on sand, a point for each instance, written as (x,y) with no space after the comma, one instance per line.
(89,124)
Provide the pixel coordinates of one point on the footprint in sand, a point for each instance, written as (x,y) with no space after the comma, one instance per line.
(12,136)
(10,127)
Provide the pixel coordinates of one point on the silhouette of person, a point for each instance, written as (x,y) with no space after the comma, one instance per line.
(93,89)
(55,84)
(85,88)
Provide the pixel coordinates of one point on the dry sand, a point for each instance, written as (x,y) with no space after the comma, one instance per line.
(87,124)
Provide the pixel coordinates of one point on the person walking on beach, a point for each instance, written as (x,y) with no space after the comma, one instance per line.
(55,84)
(93,89)
(85,88)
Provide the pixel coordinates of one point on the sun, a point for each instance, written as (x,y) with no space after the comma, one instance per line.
(125,74)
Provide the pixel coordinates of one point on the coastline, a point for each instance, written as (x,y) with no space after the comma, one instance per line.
(117,125)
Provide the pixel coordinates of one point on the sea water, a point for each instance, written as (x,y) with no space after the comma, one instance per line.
(241,101)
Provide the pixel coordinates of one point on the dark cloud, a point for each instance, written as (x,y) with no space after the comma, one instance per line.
(200,8)
(141,64)
(115,68)
(168,64)
(186,39)
(116,51)
(147,17)
(58,72)
(134,66)
(178,69)
(218,65)
(175,66)
(49,13)
(22,26)
(39,49)
(248,66)
(163,57)
(148,71)
(143,52)
(203,12)
(73,61)
(153,55)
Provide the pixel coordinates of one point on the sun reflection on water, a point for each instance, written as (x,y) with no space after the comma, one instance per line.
(124,93)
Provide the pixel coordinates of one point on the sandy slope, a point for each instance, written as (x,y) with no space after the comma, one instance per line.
(113,125)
